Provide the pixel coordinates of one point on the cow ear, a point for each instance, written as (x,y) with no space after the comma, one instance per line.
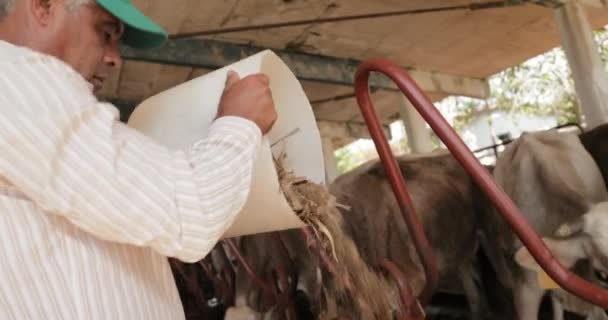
(567,251)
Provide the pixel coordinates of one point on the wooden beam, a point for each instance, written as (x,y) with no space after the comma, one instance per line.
(340,132)
(603,4)
(212,54)
(138,80)
(348,131)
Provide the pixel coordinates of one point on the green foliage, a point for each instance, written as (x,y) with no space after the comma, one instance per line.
(541,86)
(345,158)
(362,151)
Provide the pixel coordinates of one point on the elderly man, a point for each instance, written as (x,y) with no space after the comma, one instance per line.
(89,208)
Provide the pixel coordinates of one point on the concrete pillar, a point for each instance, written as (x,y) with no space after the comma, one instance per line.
(418,135)
(331,164)
(590,77)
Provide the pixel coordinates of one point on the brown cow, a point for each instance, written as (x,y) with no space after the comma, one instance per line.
(445,199)
(309,282)
(558,187)
(266,253)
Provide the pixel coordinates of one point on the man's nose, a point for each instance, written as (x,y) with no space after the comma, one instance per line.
(112,57)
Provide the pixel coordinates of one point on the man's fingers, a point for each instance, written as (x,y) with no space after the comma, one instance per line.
(264,79)
(231,79)
(258,78)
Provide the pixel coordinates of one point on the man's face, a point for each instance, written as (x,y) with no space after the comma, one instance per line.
(86,38)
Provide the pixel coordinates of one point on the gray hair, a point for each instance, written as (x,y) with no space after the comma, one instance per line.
(7,5)
(73,4)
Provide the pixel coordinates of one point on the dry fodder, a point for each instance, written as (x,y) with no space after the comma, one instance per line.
(355,285)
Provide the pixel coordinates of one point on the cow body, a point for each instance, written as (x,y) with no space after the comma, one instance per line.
(556,184)
(595,142)
(443,196)
(316,293)
(269,254)
(445,199)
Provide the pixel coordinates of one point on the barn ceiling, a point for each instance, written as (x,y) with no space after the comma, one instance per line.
(452,52)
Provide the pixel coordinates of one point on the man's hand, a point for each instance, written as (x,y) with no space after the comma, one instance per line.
(249,98)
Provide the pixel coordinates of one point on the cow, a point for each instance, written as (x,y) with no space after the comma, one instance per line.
(595,142)
(560,191)
(446,201)
(360,189)
(268,254)
(315,290)
(444,197)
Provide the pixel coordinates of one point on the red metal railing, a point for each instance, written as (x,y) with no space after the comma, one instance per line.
(393,172)
(450,138)
(411,308)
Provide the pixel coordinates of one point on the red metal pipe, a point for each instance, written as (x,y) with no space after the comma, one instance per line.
(220,285)
(566,279)
(327,261)
(411,309)
(394,174)
(267,291)
(282,290)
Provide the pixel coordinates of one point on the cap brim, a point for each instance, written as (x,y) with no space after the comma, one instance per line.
(140,31)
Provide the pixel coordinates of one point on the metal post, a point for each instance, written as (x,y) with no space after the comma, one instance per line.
(418,135)
(590,78)
(331,164)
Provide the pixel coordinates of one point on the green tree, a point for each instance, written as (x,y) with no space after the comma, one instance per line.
(345,159)
(541,86)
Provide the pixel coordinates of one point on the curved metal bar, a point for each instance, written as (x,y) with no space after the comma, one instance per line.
(394,174)
(266,288)
(282,290)
(223,280)
(325,259)
(227,275)
(566,279)
(289,289)
(411,308)
(220,287)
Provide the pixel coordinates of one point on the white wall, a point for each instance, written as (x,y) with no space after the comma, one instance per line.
(484,130)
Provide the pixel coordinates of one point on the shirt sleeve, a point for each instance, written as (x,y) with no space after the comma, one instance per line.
(71,156)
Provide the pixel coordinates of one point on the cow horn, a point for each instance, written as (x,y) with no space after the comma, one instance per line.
(569,229)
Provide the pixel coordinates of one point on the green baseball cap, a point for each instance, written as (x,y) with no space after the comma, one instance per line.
(140,31)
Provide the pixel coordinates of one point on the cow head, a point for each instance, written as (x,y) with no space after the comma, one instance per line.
(586,238)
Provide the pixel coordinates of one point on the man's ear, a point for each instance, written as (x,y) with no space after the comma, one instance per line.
(566,251)
(44,9)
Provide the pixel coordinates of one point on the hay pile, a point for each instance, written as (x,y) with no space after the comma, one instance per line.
(360,292)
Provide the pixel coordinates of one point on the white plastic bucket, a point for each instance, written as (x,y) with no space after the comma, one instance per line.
(182,115)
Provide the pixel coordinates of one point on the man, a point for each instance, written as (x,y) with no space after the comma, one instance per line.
(89,208)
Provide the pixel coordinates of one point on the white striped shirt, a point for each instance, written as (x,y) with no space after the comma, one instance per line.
(90,208)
